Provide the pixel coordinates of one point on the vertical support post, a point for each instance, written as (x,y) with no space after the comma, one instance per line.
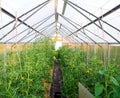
(103,55)
(17,45)
(82,48)
(87,53)
(16,31)
(5,54)
(108,55)
(95,49)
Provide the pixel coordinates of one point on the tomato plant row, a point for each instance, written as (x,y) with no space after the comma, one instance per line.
(26,71)
(101,80)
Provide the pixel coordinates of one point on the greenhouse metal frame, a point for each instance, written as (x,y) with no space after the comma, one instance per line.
(92,26)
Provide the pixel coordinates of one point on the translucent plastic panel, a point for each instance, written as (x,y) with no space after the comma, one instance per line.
(76,24)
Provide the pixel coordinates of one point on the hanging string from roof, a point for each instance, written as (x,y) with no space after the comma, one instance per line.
(16,22)
(16,30)
(17,45)
(15,26)
(103,36)
(5,55)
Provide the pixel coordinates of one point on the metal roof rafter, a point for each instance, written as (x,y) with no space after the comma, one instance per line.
(46,27)
(85,29)
(100,18)
(37,34)
(21,22)
(81,31)
(76,35)
(72,39)
(27,36)
(41,22)
(33,38)
(51,30)
(56,14)
(92,21)
(43,29)
(24,14)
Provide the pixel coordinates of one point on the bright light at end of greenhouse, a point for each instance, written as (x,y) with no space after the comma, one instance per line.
(57,38)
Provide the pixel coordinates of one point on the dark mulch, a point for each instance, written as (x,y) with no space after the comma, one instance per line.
(56,86)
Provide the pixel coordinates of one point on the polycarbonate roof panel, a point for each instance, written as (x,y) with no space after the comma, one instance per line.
(83,12)
(78,20)
(40,19)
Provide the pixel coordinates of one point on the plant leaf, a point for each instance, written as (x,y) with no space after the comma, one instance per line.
(102,72)
(114,81)
(98,89)
(117,78)
(116,91)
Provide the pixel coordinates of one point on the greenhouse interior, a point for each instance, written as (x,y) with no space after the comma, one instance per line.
(60,49)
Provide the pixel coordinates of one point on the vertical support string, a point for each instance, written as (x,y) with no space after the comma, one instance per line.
(16,22)
(108,55)
(87,54)
(5,54)
(17,44)
(104,45)
(94,49)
